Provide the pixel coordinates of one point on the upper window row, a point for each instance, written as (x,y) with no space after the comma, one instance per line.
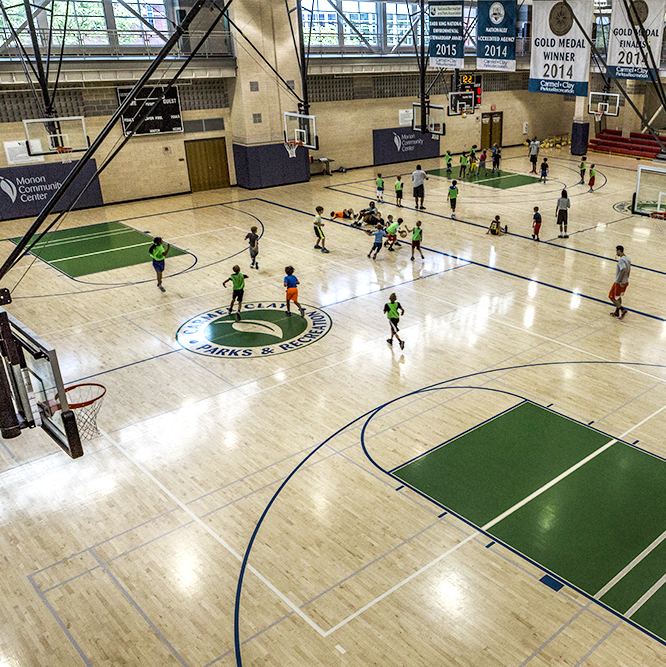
(92,23)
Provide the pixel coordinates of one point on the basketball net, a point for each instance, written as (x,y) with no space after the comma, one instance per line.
(598,116)
(291,147)
(65,153)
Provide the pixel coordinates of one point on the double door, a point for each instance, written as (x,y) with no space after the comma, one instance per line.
(491,129)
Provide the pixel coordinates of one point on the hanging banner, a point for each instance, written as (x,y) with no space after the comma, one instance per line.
(560,53)
(624,56)
(447,34)
(496,35)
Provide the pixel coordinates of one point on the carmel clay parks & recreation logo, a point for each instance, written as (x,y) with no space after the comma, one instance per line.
(264,329)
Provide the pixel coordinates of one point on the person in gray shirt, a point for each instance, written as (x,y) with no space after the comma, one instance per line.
(562,212)
(418,178)
(621,282)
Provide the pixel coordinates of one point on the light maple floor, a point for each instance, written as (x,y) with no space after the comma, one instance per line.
(130,555)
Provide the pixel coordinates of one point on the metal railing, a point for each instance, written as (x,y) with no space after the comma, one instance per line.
(115,44)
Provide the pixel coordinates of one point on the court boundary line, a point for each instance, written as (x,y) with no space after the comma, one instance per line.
(505,271)
(646,596)
(369,415)
(486,527)
(218,538)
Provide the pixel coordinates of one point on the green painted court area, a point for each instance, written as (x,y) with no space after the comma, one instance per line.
(501,179)
(95,248)
(599,526)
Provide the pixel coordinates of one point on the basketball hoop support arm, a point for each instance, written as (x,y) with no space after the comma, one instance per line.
(179,31)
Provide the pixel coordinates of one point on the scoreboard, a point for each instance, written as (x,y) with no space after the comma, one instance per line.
(466,83)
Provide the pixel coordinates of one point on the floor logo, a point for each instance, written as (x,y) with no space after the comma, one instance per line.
(623,206)
(264,329)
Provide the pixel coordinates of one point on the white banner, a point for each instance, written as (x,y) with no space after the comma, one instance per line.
(560,53)
(624,55)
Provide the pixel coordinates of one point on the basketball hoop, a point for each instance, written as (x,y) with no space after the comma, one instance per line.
(65,153)
(598,116)
(85,400)
(291,147)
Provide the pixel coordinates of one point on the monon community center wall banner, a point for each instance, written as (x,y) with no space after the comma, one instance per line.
(496,35)
(447,34)
(560,53)
(624,58)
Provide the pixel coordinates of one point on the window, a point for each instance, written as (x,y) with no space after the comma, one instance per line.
(134,32)
(320,23)
(364,17)
(399,18)
(86,24)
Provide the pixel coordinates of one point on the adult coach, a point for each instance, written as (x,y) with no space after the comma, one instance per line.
(621,282)
(562,212)
(418,179)
(534,153)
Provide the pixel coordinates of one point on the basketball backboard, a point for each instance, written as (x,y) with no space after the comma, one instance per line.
(434,121)
(461,103)
(608,103)
(45,135)
(301,127)
(650,194)
(32,387)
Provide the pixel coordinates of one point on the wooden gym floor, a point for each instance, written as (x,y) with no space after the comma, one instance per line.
(525,541)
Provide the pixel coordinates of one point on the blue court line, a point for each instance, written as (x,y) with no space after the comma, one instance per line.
(504,271)
(604,224)
(132,363)
(551,583)
(106,286)
(472,224)
(490,544)
(369,415)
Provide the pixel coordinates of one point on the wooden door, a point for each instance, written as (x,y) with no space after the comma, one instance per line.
(496,128)
(207,164)
(485,130)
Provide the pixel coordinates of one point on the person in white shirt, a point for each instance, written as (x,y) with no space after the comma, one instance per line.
(534,152)
(621,282)
(562,212)
(418,179)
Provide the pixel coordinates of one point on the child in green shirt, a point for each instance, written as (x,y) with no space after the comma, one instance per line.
(398,191)
(380,187)
(238,281)
(593,176)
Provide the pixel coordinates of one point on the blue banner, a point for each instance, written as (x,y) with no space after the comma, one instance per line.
(24,191)
(496,35)
(402,144)
(447,34)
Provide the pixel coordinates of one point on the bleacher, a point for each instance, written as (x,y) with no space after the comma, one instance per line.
(636,145)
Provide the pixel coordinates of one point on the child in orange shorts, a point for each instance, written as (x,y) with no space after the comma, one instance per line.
(291,282)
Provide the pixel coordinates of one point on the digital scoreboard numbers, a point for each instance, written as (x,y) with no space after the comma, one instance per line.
(165,117)
(466,83)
